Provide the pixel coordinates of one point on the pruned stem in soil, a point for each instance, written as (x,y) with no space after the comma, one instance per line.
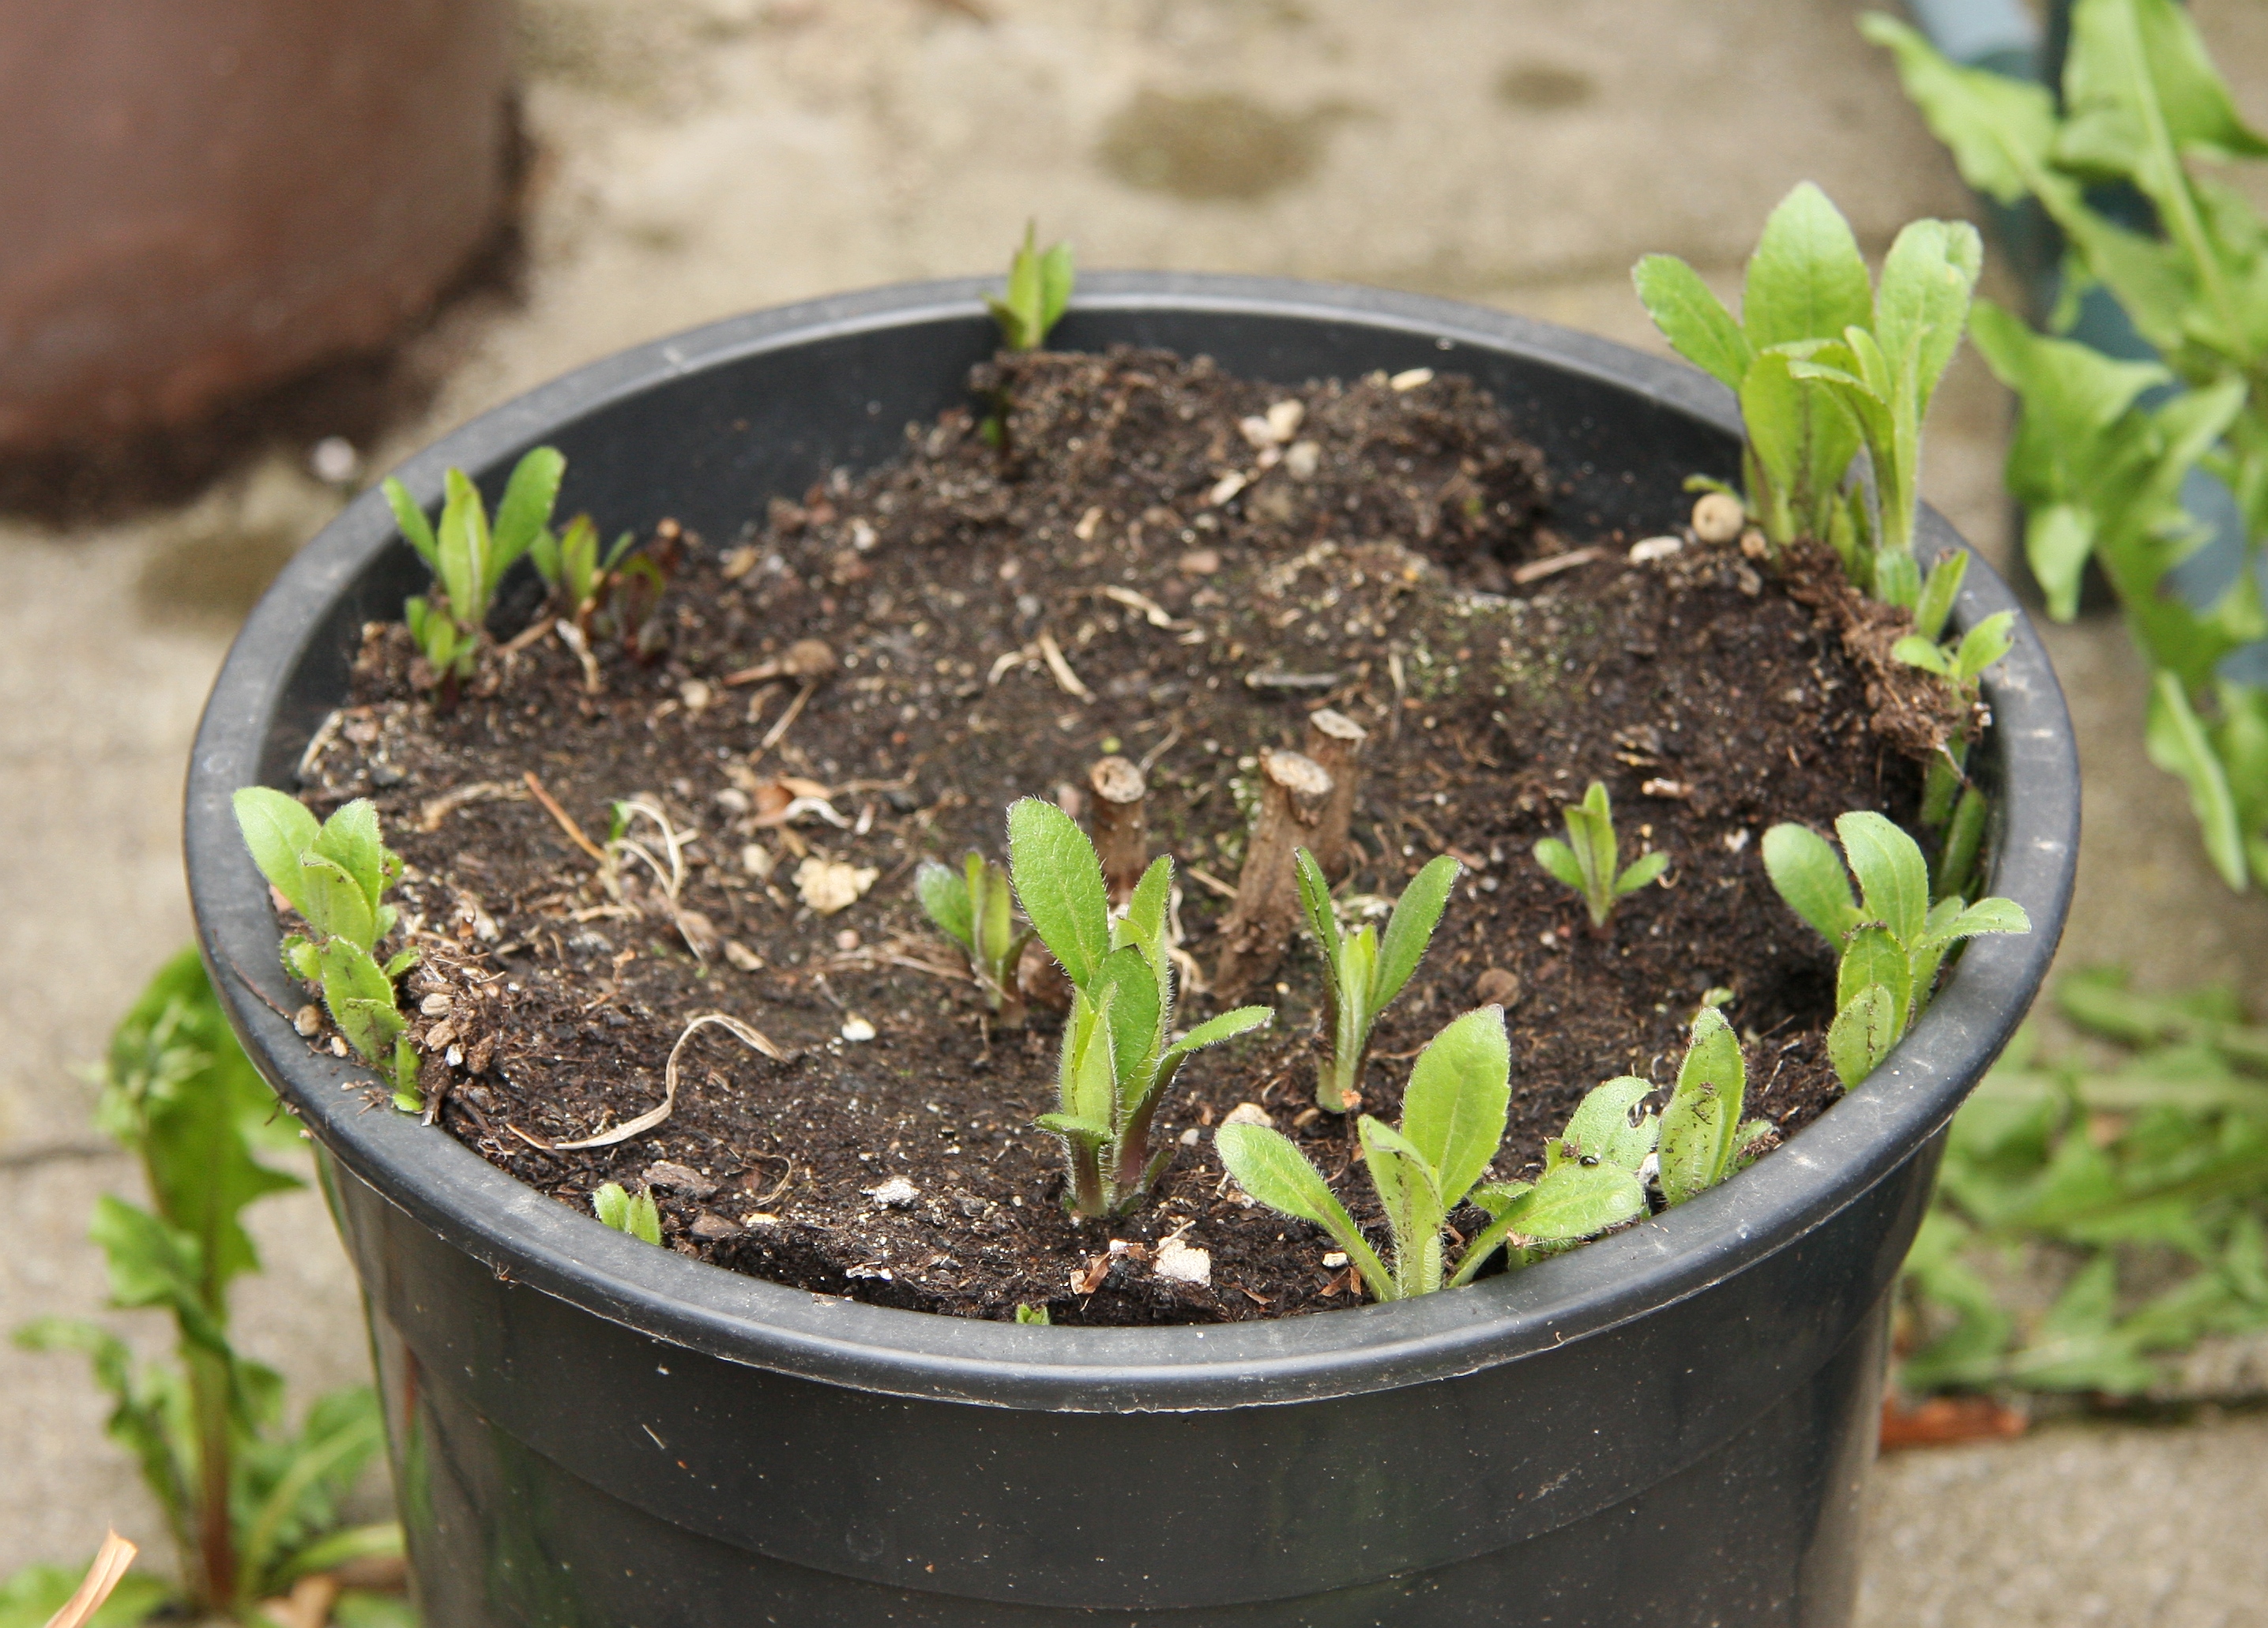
(1295,795)
(1335,741)
(1121,837)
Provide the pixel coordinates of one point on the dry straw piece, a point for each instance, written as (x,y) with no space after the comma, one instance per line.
(648,1120)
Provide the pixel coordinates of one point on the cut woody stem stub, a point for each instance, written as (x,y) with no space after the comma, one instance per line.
(1121,837)
(1295,795)
(1335,742)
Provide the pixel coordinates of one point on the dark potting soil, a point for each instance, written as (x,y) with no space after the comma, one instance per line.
(1143,565)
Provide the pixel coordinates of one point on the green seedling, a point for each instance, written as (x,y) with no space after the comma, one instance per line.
(1586,860)
(1948,796)
(251,1505)
(1364,972)
(572,568)
(1891,949)
(336,875)
(1039,292)
(1453,1121)
(1116,1061)
(976,910)
(468,560)
(1824,363)
(1704,1139)
(1035,1315)
(637,1216)
(2132,464)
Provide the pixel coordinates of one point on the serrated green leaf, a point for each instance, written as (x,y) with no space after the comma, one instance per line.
(1862,1034)
(1459,1096)
(1893,877)
(1808,873)
(1699,1127)
(1409,929)
(1059,883)
(1692,319)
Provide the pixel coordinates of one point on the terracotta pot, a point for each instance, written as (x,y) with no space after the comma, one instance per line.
(205,197)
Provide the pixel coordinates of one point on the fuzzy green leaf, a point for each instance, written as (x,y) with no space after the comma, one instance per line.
(360,999)
(526,510)
(1059,883)
(1646,868)
(1459,1096)
(1923,305)
(1938,593)
(1804,866)
(277,830)
(1985,644)
(1692,319)
(1273,1171)
(1985,916)
(333,903)
(463,542)
(1409,929)
(1559,861)
(417,530)
(1699,1127)
(1862,1034)
(1893,877)
(945,899)
(1578,1201)
(1871,956)
(1214,1031)
(1128,990)
(349,837)
(1601,1128)
(1807,279)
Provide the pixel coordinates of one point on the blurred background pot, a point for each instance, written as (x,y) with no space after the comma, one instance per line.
(204,197)
(1670,1427)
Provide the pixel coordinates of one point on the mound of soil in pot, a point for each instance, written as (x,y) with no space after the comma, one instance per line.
(1144,556)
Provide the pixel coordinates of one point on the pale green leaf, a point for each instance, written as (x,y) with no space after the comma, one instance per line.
(1807,279)
(350,838)
(1692,319)
(1578,1201)
(1939,591)
(1923,305)
(1648,867)
(1893,877)
(2001,129)
(2178,744)
(1459,1096)
(1872,957)
(1804,866)
(1601,1128)
(277,830)
(1410,928)
(945,898)
(526,510)
(1699,1127)
(417,530)
(1559,861)
(1862,1034)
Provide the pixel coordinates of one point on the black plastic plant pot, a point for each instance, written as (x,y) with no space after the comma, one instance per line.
(1672,1425)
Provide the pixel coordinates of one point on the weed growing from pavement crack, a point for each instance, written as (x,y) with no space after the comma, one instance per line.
(336,875)
(1586,860)
(1116,1062)
(1891,949)
(1365,973)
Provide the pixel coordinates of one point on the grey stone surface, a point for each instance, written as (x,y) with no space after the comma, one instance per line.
(700,157)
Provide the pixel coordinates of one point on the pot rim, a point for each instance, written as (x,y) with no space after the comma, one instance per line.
(534,1241)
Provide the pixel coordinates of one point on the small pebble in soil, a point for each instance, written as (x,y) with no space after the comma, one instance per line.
(1718,517)
(1497,987)
(1180,1263)
(1247,1114)
(307,1022)
(1648,550)
(897,1193)
(857,1028)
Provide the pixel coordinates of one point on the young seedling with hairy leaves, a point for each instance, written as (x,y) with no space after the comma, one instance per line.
(1117,1062)
(974,909)
(1039,291)
(572,568)
(468,559)
(1703,1138)
(637,1215)
(1824,363)
(1453,1121)
(1950,801)
(1586,861)
(1364,972)
(336,875)
(1891,948)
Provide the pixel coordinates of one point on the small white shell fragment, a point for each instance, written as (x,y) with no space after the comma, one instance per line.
(1648,550)
(1284,417)
(1256,431)
(857,1028)
(338,1047)
(1248,1114)
(1411,378)
(897,1193)
(1189,1137)
(1301,463)
(1178,1262)
(696,694)
(756,860)
(831,885)
(1226,487)
(1336,1258)
(1718,517)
